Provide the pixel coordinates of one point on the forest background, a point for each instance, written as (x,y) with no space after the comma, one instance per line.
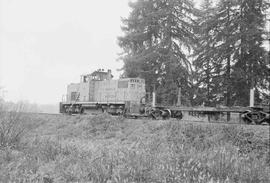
(213,54)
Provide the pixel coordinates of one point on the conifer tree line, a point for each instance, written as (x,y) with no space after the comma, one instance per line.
(213,53)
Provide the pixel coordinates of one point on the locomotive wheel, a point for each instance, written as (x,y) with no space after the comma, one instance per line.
(81,110)
(104,109)
(69,110)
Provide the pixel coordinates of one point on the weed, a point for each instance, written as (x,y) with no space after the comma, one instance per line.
(168,152)
(11,129)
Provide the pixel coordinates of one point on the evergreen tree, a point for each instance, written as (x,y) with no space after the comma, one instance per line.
(225,41)
(158,33)
(231,48)
(207,67)
(251,69)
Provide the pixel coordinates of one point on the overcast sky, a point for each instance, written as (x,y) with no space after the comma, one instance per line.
(47,44)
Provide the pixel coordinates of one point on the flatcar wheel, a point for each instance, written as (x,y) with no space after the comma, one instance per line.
(81,110)
(265,123)
(246,117)
(156,114)
(178,115)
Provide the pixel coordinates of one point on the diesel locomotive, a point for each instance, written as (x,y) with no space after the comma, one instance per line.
(98,91)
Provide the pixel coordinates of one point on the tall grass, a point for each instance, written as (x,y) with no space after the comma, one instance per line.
(11,129)
(172,152)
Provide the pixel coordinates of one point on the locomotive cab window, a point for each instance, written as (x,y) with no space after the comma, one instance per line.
(122,84)
(134,80)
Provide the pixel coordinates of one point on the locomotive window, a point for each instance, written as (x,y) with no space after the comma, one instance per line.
(134,80)
(73,96)
(122,84)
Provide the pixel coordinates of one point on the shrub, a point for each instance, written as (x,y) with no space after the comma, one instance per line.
(11,129)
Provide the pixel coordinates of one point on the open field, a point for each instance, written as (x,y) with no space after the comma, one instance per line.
(102,148)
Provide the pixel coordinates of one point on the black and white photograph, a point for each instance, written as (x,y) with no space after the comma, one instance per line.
(135,91)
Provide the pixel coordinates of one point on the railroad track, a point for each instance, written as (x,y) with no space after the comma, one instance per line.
(216,122)
(54,114)
(242,123)
(182,120)
(41,113)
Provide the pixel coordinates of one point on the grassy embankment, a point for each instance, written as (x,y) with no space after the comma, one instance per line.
(112,149)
